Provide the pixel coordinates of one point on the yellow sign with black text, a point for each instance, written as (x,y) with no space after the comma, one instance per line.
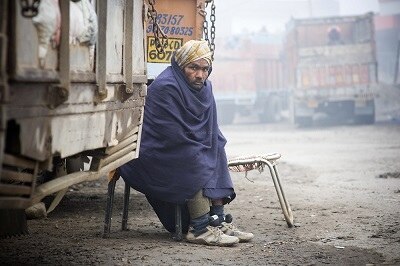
(153,56)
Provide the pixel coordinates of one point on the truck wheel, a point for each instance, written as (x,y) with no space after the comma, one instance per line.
(12,222)
(364,119)
(271,111)
(303,121)
(226,114)
(367,119)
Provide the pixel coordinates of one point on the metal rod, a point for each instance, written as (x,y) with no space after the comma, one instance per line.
(178,223)
(110,202)
(124,225)
(287,212)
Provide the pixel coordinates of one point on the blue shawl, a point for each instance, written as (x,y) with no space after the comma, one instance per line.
(182,148)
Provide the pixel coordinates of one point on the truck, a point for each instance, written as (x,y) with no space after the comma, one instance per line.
(73,82)
(73,86)
(248,78)
(331,68)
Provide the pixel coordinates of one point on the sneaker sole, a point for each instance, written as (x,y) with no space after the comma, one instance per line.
(242,240)
(203,242)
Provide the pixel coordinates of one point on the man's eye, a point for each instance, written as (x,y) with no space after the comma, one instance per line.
(197,68)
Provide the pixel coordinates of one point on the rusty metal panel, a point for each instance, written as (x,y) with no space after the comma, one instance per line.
(179,20)
(70,134)
(84,122)
(26,53)
(38,59)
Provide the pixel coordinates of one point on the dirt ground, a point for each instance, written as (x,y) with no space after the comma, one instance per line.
(342,182)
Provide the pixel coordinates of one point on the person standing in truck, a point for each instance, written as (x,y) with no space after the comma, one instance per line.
(182,156)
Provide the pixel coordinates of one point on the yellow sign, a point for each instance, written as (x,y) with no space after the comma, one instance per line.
(153,56)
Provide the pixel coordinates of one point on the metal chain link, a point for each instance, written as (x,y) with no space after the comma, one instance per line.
(210,37)
(29,8)
(160,38)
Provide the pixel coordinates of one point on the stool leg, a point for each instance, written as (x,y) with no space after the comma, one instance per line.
(126,208)
(178,223)
(110,202)
(287,212)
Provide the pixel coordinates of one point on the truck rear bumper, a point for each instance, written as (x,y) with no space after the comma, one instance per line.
(364,107)
(344,108)
(304,110)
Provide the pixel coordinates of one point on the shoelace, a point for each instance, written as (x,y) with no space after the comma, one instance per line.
(216,231)
(230,226)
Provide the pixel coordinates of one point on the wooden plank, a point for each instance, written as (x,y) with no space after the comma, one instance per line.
(8,175)
(128,46)
(7,189)
(139,79)
(18,162)
(57,200)
(64,63)
(101,48)
(61,183)
(14,203)
(131,138)
(118,154)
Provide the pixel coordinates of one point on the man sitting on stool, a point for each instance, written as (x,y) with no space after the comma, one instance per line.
(182,156)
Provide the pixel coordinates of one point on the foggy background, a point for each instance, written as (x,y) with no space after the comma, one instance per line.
(264,22)
(235,16)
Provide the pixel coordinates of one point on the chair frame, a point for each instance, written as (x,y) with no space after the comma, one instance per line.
(244,164)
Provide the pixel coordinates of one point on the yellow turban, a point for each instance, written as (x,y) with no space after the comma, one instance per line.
(191,51)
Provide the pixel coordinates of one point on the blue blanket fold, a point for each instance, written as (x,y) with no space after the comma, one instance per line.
(182,148)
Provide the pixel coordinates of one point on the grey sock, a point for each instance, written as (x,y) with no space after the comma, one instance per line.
(218,210)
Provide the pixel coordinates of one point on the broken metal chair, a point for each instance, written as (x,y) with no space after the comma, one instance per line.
(124,226)
(245,164)
(239,164)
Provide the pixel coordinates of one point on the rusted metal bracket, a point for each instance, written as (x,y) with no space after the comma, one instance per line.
(128,46)
(101,51)
(122,93)
(56,95)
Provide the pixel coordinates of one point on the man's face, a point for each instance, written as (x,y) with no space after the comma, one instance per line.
(196,73)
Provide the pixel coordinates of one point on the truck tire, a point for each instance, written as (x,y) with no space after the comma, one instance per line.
(303,121)
(226,114)
(12,222)
(271,111)
(365,119)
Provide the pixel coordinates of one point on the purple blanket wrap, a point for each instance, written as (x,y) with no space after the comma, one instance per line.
(182,148)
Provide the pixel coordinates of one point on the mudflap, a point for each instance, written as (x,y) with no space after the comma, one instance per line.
(13,223)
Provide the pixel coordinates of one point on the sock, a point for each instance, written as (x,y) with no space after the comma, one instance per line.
(199,224)
(218,210)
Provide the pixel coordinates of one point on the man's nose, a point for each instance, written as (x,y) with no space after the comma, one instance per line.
(200,74)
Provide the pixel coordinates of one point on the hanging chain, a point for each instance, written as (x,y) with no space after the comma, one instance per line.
(160,38)
(210,37)
(29,8)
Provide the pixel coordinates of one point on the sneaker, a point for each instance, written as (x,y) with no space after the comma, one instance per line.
(212,236)
(231,230)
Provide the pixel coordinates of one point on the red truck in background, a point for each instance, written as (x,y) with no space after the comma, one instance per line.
(248,78)
(331,68)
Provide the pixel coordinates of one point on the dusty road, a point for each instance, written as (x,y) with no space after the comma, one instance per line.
(343,184)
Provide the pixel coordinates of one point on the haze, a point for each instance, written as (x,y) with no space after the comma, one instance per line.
(235,16)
